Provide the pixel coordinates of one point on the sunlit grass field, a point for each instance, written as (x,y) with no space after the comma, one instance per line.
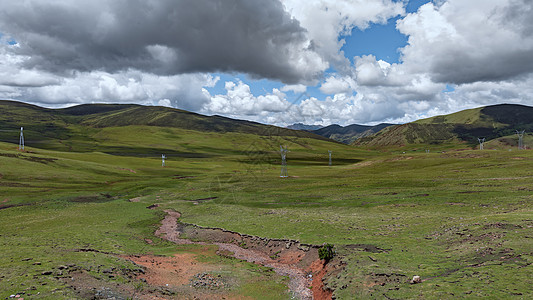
(462,220)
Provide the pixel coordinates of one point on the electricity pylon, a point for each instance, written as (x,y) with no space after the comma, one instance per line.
(284,172)
(520,139)
(481,142)
(21,139)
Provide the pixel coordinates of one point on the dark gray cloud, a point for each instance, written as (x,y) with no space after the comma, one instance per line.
(163,37)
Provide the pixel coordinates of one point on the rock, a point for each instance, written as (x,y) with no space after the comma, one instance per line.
(46,273)
(416,279)
(304,248)
(37,263)
(62,267)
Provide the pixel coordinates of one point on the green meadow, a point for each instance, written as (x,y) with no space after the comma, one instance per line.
(461,220)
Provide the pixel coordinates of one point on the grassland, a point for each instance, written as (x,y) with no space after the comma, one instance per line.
(462,220)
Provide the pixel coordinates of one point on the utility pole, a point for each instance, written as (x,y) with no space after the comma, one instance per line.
(329,152)
(163,160)
(284,172)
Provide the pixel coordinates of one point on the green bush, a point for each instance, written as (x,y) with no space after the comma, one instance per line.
(326,252)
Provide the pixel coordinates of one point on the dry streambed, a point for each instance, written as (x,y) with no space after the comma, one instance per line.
(290,258)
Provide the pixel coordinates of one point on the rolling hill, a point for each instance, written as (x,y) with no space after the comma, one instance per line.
(457,129)
(348,134)
(82,127)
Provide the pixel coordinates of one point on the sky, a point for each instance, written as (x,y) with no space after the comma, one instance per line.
(278,62)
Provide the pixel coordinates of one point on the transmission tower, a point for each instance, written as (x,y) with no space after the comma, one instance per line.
(283,152)
(329,152)
(481,142)
(163,160)
(21,139)
(520,139)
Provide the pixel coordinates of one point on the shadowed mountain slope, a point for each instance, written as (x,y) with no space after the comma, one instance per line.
(80,124)
(348,134)
(460,128)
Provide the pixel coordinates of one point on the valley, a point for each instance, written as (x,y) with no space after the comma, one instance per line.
(82,207)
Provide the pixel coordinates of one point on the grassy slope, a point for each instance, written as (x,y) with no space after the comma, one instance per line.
(462,220)
(458,130)
(80,198)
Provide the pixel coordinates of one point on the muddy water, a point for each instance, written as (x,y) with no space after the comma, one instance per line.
(286,257)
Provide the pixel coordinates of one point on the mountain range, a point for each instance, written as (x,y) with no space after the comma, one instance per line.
(85,124)
(461,128)
(56,128)
(349,134)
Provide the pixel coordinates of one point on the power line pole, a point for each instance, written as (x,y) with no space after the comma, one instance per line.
(163,160)
(520,139)
(481,142)
(329,152)
(284,173)
(21,139)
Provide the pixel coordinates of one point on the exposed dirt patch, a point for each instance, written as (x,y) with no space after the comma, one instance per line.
(129,170)
(318,270)
(384,278)
(165,271)
(136,199)
(502,226)
(286,257)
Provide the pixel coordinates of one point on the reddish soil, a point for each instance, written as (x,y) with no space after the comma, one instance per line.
(319,270)
(169,271)
(287,258)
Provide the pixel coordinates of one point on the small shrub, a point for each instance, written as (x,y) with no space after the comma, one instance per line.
(326,252)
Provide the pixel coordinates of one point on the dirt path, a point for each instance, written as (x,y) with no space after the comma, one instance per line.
(300,282)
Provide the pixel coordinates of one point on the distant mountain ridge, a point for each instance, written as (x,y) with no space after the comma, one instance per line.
(301,126)
(348,134)
(42,125)
(463,127)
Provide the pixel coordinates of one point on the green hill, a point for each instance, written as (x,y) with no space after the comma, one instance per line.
(104,127)
(456,130)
